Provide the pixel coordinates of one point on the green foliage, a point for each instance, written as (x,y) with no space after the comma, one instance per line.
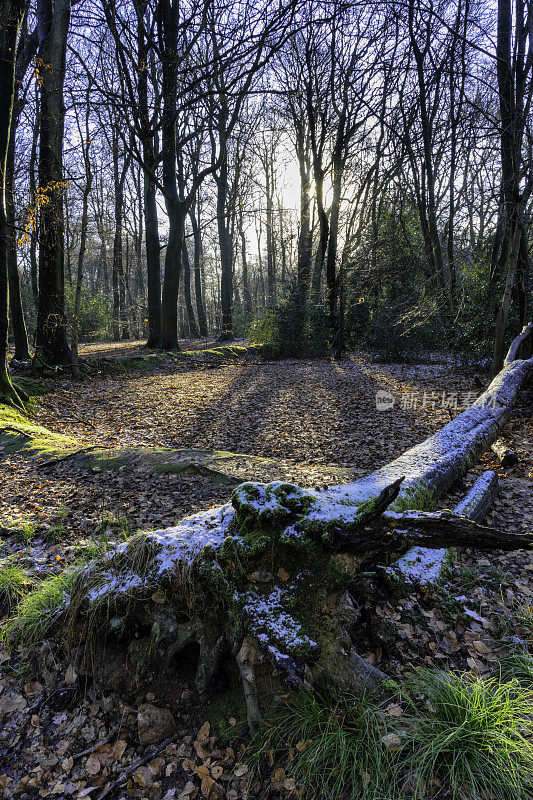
(395,307)
(32,387)
(25,532)
(524,615)
(471,736)
(37,612)
(471,575)
(518,667)
(337,746)
(14,582)
(95,317)
(292,329)
(117,524)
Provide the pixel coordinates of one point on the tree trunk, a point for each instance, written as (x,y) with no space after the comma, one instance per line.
(331,258)
(153,267)
(198,263)
(120,323)
(169,306)
(33,191)
(193,330)
(20,334)
(12,12)
(51,338)
(271,254)
(318,267)
(150,147)
(224,236)
(247,298)
(168,32)
(304,236)
(85,144)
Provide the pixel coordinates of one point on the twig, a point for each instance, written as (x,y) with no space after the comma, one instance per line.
(134,766)
(94,747)
(53,461)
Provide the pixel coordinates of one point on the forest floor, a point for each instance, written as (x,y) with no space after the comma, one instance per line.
(319,420)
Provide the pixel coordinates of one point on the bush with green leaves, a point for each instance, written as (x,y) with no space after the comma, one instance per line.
(94,320)
(293,329)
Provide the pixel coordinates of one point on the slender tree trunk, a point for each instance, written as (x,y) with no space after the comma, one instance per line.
(510,191)
(331,258)
(247,299)
(51,318)
(318,268)
(11,12)
(20,334)
(198,259)
(304,236)
(193,328)
(116,297)
(33,188)
(224,236)
(271,256)
(123,284)
(81,253)
(149,146)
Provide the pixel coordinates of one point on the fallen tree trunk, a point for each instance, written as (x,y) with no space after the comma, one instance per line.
(268,579)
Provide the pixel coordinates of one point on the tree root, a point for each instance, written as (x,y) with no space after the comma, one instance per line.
(12,395)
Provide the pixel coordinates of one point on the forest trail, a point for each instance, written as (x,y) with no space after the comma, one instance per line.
(318,418)
(310,412)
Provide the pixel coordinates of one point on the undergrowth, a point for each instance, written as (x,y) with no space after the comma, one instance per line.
(37,611)
(335,746)
(14,582)
(459,738)
(519,667)
(467,738)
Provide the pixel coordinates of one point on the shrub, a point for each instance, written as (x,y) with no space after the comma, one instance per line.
(95,317)
(469,736)
(292,330)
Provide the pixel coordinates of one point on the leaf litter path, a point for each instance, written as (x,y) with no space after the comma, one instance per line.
(317,417)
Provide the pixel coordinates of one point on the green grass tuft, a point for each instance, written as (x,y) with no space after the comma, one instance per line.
(469,736)
(416,498)
(524,615)
(518,667)
(38,611)
(14,582)
(336,746)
